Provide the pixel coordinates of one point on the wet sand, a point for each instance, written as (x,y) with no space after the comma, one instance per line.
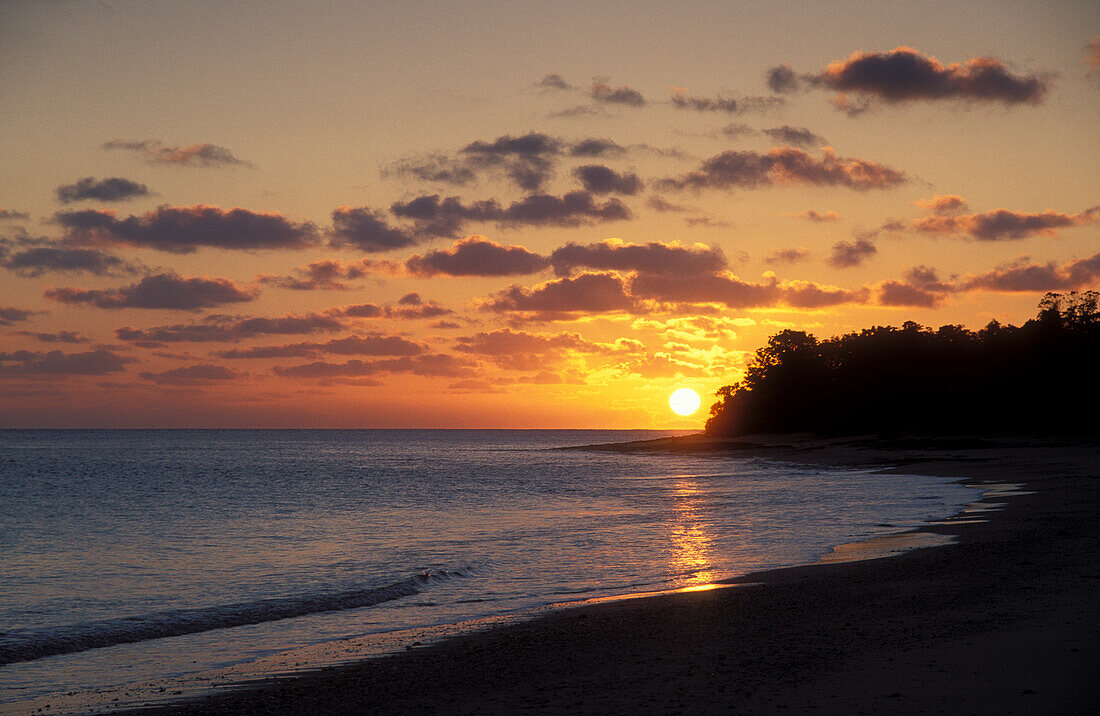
(1004,620)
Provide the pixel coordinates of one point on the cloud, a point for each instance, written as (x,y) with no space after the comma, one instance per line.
(436,364)
(159,291)
(1004,225)
(193,155)
(37,260)
(782,78)
(222,328)
(13,314)
(734,292)
(184,229)
(366,229)
(847,254)
(330,274)
(506,342)
(736,130)
(921,287)
(371,345)
(785,256)
(476,256)
(528,160)
(596,148)
(445,218)
(729,105)
(110,189)
(819,217)
(598,179)
(1092,55)
(785,166)
(944,204)
(554,81)
(671,259)
(586,293)
(13,215)
(59,337)
(606,94)
(659,203)
(905,75)
(1023,276)
(795,136)
(55,363)
(200,374)
(431,309)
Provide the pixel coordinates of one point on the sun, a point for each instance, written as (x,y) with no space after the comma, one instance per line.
(684,401)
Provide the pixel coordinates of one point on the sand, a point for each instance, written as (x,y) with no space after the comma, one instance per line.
(1003,620)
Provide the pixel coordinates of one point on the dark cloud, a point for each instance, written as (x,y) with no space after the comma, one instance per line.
(596,148)
(945,204)
(12,215)
(59,337)
(193,155)
(705,221)
(527,160)
(37,260)
(110,189)
(795,136)
(414,311)
(477,256)
(184,229)
(1092,55)
(905,74)
(586,293)
(159,291)
(55,363)
(436,364)
(652,258)
(786,256)
(782,78)
(359,310)
(1003,225)
(1024,276)
(447,217)
(659,203)
(598,179)
(729,105)
(192,375)
(606,94)
(921,287)
(847,254)
(366,229)
(554,81)
(736,293)
(12,314)
(412,298)
(369,345)
(819,216)
(506,342)
(736,130)
(221,328)
(329,274)
(785,166)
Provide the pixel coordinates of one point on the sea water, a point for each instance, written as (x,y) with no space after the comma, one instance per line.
(133,555)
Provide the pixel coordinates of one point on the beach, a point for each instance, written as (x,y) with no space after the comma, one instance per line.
(1002,620)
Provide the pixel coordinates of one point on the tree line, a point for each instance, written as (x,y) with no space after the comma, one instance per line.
(1043,376)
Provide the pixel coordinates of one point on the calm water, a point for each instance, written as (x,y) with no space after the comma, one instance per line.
(139,555)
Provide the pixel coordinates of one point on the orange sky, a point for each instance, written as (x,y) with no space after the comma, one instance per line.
(493,215)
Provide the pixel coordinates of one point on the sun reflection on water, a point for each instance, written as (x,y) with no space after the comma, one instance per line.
(690,549)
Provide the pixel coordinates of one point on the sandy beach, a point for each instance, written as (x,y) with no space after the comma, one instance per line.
(1004,620)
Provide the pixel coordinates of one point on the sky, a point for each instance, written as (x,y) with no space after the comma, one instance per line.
(515,215)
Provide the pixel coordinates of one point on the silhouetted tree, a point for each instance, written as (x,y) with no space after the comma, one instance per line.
(1039,377)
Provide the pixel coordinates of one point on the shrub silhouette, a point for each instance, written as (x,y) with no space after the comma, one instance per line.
(1040,377)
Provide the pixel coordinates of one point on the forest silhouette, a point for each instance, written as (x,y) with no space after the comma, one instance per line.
(1041,377)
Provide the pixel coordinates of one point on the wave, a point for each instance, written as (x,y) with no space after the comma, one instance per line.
(27,645)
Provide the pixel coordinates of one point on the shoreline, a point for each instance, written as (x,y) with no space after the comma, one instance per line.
(1003,620)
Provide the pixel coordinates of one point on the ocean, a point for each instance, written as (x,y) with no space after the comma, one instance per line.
(161,557)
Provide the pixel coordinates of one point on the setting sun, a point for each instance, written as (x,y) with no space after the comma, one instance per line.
(684,401)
